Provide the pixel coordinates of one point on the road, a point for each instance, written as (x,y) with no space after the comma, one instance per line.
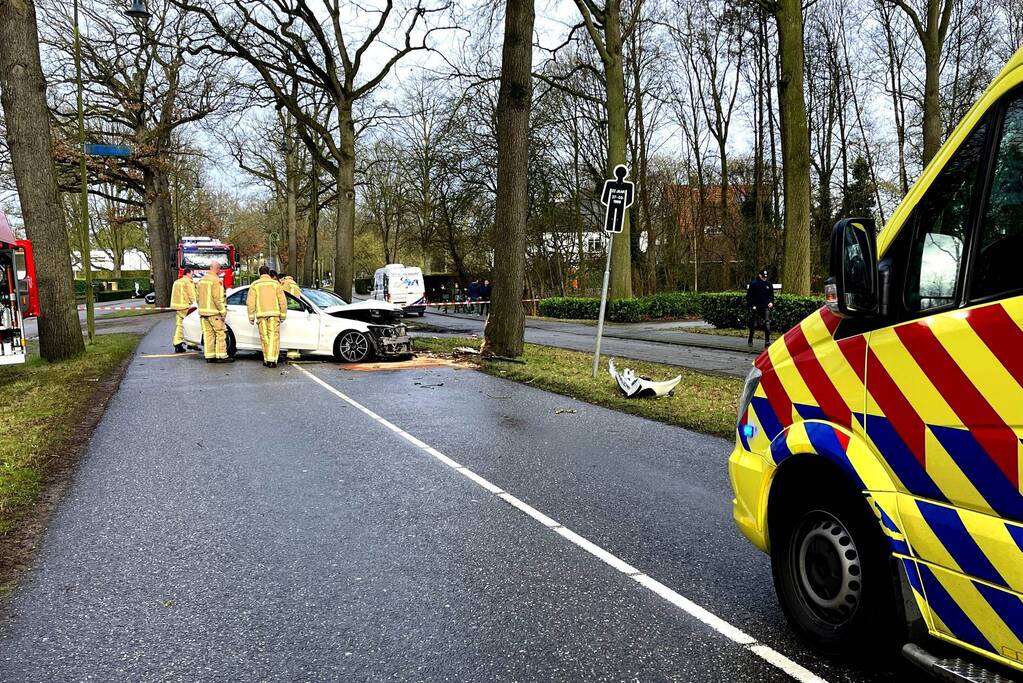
(236,523)
(657,342)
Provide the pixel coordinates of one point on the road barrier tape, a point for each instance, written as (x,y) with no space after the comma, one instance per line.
(445,304)
(127,308)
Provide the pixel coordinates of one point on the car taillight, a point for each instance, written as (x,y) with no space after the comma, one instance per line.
(191,309)
(387,296)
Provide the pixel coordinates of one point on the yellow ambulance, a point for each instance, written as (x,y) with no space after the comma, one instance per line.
(880,442)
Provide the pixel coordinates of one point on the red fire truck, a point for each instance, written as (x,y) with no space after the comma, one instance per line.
(19,298)
(198,253)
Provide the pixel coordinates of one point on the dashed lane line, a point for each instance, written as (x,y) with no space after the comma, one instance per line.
(733,633)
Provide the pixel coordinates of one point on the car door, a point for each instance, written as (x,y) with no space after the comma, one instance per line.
(246,336)
(945,389)
(301,329)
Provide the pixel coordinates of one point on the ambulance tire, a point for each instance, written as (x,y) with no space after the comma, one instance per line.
(352,346)
(832,572)
(232,345)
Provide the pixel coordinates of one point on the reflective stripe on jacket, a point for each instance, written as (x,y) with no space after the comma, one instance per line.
(210,294)
(291,287)
(266,299)
(183,293)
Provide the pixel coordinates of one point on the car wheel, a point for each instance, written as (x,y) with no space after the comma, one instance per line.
(832,573)
(352,347)
(232,345)
(422,313)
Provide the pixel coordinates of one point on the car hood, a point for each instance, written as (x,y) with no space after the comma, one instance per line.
(367,305)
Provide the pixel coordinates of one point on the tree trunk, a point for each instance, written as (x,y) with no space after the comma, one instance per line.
(617,140)
(344,235)
(309,273)
(158,227)
(932,101)
(795,148)
(291,180)
(505,327)
(23,94)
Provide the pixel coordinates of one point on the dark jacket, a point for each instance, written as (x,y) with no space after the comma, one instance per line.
(474,289)
(759,294)
(485,292)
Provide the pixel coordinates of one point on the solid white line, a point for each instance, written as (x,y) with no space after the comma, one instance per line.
(733,633)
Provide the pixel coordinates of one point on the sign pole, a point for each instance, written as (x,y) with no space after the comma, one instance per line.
(83,206)
(603,303)
(617,196)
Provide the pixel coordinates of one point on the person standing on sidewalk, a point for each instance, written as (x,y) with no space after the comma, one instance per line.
(267,307)
(474,296)
(182,298)
(760,302)
(485,291)
(212,309)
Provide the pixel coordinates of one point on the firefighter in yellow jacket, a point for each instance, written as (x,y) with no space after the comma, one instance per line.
(182,298)
(291,287)
(267,308)
(212,309)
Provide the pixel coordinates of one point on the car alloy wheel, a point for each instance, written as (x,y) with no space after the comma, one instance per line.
(352,347)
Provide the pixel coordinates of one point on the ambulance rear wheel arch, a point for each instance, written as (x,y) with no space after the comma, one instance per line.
(830,563)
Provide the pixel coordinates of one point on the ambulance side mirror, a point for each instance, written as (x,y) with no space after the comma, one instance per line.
(852,288)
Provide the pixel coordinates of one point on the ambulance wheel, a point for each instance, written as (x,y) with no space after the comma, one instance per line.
(831,569)
(232,345)
(352,347)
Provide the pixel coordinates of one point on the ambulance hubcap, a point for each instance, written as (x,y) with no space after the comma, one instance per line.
(354,347)
(828,567)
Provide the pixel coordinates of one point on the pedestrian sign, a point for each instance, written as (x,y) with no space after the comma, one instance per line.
(617,196)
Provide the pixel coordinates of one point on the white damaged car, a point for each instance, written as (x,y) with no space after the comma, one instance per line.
(319,323)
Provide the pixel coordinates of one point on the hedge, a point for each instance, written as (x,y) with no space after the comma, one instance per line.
(721,309)
(123,285)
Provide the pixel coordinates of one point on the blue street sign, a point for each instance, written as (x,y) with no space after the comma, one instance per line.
(108,150)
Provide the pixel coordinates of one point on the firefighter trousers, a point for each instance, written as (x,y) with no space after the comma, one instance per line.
(214,336)
(270,337)
(179,329)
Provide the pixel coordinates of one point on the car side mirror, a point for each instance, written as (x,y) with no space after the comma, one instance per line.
(852,288)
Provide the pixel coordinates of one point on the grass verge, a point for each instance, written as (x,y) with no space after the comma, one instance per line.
(49,412)
(703,403)
(133,313)
(724,332)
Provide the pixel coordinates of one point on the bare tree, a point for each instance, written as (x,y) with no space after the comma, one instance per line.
(299,42)
(931,24)
(23,95)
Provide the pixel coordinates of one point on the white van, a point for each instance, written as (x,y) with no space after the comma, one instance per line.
(401,285)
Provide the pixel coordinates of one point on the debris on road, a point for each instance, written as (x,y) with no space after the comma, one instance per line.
(641,387)
(564,411)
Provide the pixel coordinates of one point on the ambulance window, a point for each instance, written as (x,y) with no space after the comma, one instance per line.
(1001,229)
(942,222)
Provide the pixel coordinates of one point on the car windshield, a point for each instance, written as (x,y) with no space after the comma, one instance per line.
(323,299)
(201,260)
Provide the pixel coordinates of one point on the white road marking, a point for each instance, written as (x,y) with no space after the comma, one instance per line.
(733,633)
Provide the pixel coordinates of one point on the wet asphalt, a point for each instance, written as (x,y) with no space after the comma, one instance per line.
(232,523)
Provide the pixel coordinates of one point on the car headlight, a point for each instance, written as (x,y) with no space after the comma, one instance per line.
(750,388)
